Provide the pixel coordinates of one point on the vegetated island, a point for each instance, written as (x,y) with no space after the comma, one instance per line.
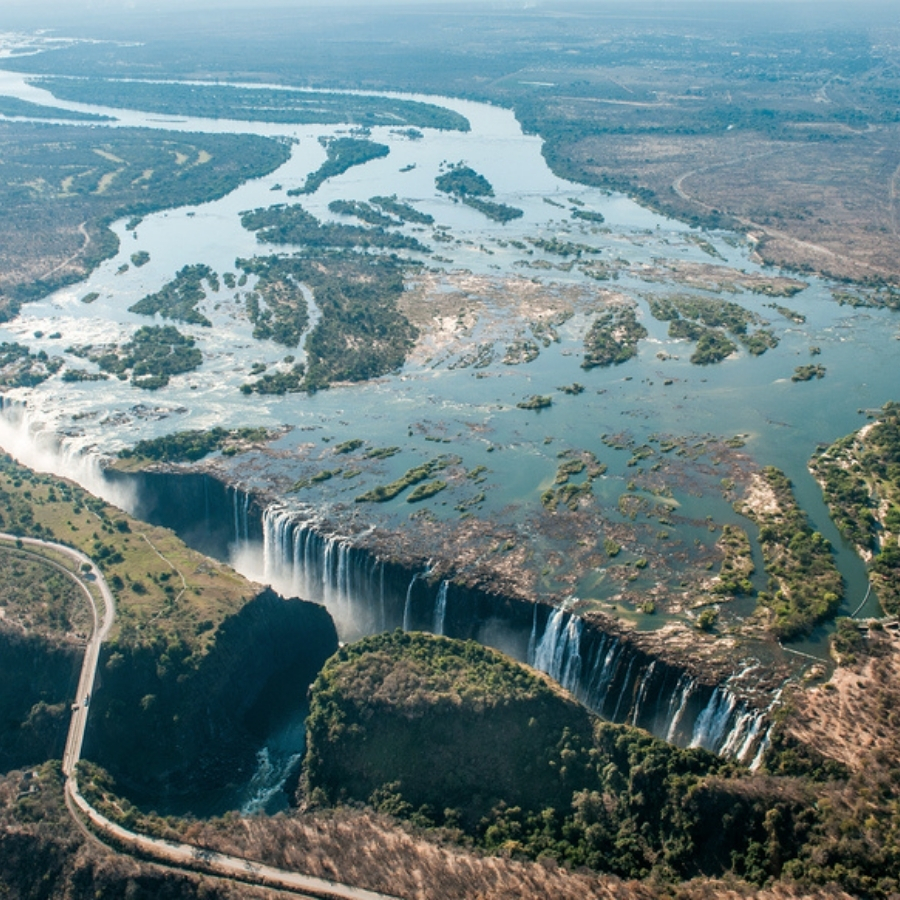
(276,306)
(189,446)
(361,333)
(612,338)
(341,154)
(13,107)
(153,355)
(254,104)
(282,224)
(805,585)
(860,476)
(178,298)
(705,321)
(464,183)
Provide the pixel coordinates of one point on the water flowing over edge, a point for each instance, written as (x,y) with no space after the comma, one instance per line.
(366,594)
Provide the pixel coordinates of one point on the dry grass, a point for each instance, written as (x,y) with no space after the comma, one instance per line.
(854,717)
(822,206)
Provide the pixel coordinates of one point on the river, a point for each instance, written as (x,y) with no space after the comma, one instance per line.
(439,404)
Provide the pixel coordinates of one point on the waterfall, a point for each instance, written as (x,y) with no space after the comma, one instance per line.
(617,681)
(606,672)
(623,690)
(558,653)
(407,606)
(241,519)
(600,681)
(743,735)
(532,640)
(440,608)
(642,693)
(381,597)
(682,693)
(35,444)
(712,723)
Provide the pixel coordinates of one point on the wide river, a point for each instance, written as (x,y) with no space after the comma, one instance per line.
(488,283)
(436,396)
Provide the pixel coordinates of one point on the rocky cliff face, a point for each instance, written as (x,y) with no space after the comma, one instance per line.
(38,682)
(165,724)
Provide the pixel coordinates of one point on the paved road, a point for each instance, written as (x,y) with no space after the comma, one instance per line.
(169,852)
(103,620)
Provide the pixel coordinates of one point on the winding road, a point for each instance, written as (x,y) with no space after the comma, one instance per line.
(103,621)
(170,853)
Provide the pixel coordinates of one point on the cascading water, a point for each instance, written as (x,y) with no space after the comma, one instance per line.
(31,443)
(605,672)
(619,680)
(407,606)
(678,705)
(440,607)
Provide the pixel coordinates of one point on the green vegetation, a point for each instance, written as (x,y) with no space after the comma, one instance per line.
(426,490)
(362,211)
(361,333)
(342,154)
(290,381)
(13,107)
(349,446)
(573,463)
(152,356)
(708,619)
(461,181)
(285,315)
(705,319)
(860,476)
(519,352)
(451,734)
(282,224)
(712,346)
(178,299)
(808,372)
(320,476)
(381,452)
(416,475)
(141,258)
(881,297)
(588,216)
(403,211)
(535,401)
(612,338)
(189,446)
(60,190)
(545,329)
(76,375)
(805,587)
(38,597)
(737,563)
(498,212)
(19,367)
(558,247)
(90,297)
(260,104)
(789,314)
(139,560)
